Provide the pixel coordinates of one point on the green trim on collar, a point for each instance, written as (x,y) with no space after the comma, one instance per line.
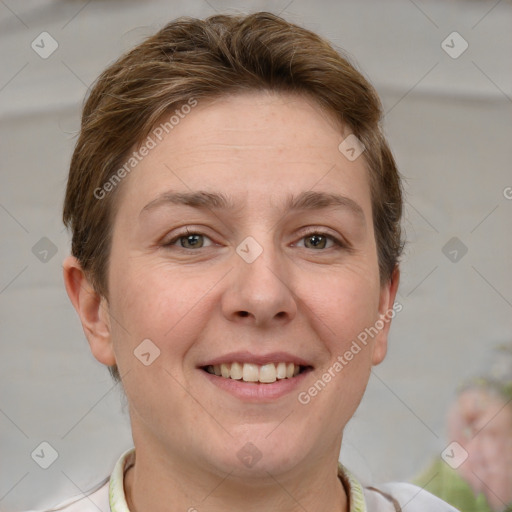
(117,498)
(356,501)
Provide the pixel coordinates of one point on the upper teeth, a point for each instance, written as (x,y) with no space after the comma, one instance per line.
(249,372)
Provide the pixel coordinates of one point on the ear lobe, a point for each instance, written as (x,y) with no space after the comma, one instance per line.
(386,313)
(92,310)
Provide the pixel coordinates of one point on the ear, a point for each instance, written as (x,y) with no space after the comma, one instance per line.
(387,311)
(92,309)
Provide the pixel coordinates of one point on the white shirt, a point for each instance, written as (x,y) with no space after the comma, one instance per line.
(392,497)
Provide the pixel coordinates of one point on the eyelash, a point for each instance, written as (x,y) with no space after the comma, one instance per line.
(338,244)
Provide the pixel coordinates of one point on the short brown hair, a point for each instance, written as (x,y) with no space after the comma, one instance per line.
(205,59)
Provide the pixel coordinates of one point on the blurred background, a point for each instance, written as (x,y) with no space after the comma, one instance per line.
(444,73)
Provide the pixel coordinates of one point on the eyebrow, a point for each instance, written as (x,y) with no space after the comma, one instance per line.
(308,200)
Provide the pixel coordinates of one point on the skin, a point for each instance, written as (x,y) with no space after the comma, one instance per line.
(200,303)
(481,422)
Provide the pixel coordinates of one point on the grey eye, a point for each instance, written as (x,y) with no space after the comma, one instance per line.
(316,241)
(191,241)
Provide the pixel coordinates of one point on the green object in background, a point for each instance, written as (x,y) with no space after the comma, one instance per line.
(444,482)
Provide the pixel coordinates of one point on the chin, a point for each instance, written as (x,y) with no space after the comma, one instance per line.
(258,455)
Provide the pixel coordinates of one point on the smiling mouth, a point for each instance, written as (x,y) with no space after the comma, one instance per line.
(249,372)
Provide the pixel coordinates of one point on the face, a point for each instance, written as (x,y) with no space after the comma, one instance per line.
(245,238)
(481,422)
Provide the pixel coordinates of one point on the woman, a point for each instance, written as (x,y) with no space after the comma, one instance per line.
(479,421)
(235,213)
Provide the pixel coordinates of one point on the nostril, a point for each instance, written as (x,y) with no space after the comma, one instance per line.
(244,313)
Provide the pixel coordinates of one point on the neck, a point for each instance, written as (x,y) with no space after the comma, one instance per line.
(151,485)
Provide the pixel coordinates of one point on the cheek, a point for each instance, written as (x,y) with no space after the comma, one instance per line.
(344,311)
(152,301)
(349,302)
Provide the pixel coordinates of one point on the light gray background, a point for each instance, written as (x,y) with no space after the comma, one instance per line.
(448,122)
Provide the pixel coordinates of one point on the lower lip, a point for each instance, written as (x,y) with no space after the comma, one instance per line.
(254,391)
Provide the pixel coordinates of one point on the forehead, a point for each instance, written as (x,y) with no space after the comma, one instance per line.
(252,146)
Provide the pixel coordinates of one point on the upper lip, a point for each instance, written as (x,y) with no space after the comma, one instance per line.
(259,359)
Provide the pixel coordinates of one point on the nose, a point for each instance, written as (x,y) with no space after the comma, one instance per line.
(259,292)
